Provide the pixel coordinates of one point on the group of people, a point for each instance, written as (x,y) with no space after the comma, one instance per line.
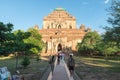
(61,56)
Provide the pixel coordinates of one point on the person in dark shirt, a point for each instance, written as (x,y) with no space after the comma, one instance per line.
(71,64)
(51,62)
(58,60)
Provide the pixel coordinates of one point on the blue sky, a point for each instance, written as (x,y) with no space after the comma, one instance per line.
(24,14)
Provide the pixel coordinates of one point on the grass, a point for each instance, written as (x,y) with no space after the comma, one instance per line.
(89,68)
(36,67)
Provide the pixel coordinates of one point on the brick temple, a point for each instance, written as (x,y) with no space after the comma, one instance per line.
(60,33)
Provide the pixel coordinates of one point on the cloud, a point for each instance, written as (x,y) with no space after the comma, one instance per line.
(106,1)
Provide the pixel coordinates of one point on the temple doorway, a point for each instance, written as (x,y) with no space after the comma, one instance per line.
(59,47)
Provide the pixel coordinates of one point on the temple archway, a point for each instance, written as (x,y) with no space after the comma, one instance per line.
(59,48)
(59,26)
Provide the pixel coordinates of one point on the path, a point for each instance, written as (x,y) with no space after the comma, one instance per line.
(61,72)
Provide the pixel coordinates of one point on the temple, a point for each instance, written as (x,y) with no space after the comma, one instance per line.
(60,33)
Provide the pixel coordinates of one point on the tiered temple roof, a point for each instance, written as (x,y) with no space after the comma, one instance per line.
(59,14)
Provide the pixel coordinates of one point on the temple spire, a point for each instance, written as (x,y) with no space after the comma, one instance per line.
(59,9)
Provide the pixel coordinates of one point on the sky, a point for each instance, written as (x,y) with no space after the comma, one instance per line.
(24,14)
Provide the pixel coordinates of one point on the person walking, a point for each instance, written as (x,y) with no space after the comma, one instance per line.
(71,64)
(63,56)
(58,59)
(51,62)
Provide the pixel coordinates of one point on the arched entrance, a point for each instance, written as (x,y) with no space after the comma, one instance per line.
(59,48)
(59,26)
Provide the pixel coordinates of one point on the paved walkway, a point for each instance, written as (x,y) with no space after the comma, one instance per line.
(61,72)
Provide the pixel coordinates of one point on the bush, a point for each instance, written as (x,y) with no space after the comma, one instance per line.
(25,62)
(37,58)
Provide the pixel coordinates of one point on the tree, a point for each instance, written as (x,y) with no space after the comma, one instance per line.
(35,43)
(111,37)
(25,62)
(89,43)
(18,40)
(5,37)
(18,44)
(107,50)
(112,34)
(27,43)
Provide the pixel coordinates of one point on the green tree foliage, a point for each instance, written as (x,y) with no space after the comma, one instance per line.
(112,35)
(4,30)
(25,62)
(18,40)
(35,43)
(18,45)
(5,37)
(107,51)
(89,43)
(27,43)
